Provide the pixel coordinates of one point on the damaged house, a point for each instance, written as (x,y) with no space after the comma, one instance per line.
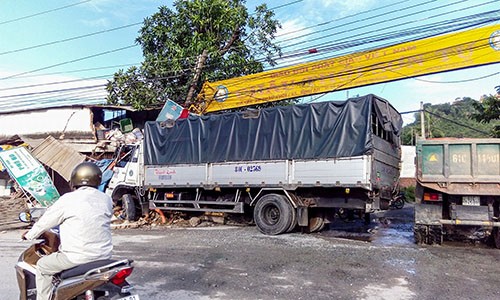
(62,137)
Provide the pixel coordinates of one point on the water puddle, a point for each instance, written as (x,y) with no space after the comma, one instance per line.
(390,228)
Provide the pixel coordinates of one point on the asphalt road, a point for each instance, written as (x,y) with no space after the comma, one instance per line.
(223,262)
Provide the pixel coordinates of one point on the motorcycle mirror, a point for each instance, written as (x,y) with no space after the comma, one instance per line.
(25,217)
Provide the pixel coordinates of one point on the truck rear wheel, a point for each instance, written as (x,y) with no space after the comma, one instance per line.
(316,221)
(496,236)
(428,234)
(274,214)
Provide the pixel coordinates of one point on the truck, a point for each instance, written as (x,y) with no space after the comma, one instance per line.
(285,166)
(457,187)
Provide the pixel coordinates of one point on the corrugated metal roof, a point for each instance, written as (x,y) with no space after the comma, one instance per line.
(61,158)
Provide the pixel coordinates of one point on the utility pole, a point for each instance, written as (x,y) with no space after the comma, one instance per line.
(422,121)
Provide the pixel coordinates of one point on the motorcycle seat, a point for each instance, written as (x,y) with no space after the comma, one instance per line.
(82,269)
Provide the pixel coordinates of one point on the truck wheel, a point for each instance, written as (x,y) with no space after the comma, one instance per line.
(496,236)
(274,214)
(293,224)
(435,235)
(420,234)
(129,211)
(428,234)
(316,222)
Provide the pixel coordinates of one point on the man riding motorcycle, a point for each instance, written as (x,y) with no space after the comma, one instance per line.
(84,220)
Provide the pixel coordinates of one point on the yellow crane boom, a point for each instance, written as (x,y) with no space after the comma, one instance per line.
(474,47)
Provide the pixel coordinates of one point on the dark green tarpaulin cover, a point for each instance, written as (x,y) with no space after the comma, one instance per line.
(306,131)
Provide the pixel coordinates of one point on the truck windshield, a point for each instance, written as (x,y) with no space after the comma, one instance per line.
(124,155)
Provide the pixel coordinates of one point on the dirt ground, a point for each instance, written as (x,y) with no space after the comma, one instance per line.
(346,261)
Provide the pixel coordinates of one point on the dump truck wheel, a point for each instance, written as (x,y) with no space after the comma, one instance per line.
(420,234)
(274,214)
(129,210)
(496,237)
(435,235)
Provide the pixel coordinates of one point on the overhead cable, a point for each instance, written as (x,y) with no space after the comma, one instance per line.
(43,12)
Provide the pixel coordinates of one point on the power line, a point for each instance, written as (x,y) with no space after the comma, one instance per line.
(69,62)
(384,14)
(55,83)
(285,5)
(139,23)
(457,123)
(411,30)
(70,39)
(43,12)
(153,79)
(340,19)
(76,71)
(364,27)
(61,90)
(159,78)
(458,81)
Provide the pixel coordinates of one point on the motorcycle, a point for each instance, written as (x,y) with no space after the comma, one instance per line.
(97,280)
(398,201)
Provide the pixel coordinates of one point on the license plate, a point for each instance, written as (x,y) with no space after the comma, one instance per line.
(131,297)
(470,200)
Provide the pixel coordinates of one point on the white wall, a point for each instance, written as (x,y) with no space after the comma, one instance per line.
(46,121)
(408,159)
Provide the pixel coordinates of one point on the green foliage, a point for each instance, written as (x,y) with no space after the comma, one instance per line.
(409,193)
(450,120)
(488,111)
(172,42)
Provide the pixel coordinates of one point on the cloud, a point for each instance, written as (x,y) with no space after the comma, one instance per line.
(344,7)
(292,29)
(101,22)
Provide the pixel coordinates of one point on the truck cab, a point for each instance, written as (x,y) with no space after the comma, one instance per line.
(123,187)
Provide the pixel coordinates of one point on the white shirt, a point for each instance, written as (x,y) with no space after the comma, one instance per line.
(84,217)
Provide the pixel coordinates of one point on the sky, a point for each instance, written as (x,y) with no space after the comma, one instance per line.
(76,46)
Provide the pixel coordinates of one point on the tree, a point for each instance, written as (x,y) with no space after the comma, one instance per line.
(449,120)
(488,111)
(201,40)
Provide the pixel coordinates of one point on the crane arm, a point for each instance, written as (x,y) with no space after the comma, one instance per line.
(453,51)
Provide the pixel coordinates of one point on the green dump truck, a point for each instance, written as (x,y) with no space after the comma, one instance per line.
(458,185)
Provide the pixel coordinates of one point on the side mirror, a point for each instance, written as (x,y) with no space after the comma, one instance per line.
(25,217)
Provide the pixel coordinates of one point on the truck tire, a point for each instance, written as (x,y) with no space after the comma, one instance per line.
(420,233)
(293,224)
(128,206)
(273,214)
(428,234)
(316,222)
(496,236)
(435,235)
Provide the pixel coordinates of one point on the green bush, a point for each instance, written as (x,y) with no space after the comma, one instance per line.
(409,193)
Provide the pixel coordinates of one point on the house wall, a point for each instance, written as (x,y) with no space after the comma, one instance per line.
(407,177)
(65,122)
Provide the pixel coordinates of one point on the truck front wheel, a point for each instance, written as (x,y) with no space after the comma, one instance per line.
(128,205)
(274,214)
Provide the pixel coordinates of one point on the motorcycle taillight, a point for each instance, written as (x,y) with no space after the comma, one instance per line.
(119,277)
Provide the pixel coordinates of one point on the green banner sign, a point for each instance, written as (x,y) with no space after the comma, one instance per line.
(30,175)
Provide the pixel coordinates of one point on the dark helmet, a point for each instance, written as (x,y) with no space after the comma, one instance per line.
(86,174)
